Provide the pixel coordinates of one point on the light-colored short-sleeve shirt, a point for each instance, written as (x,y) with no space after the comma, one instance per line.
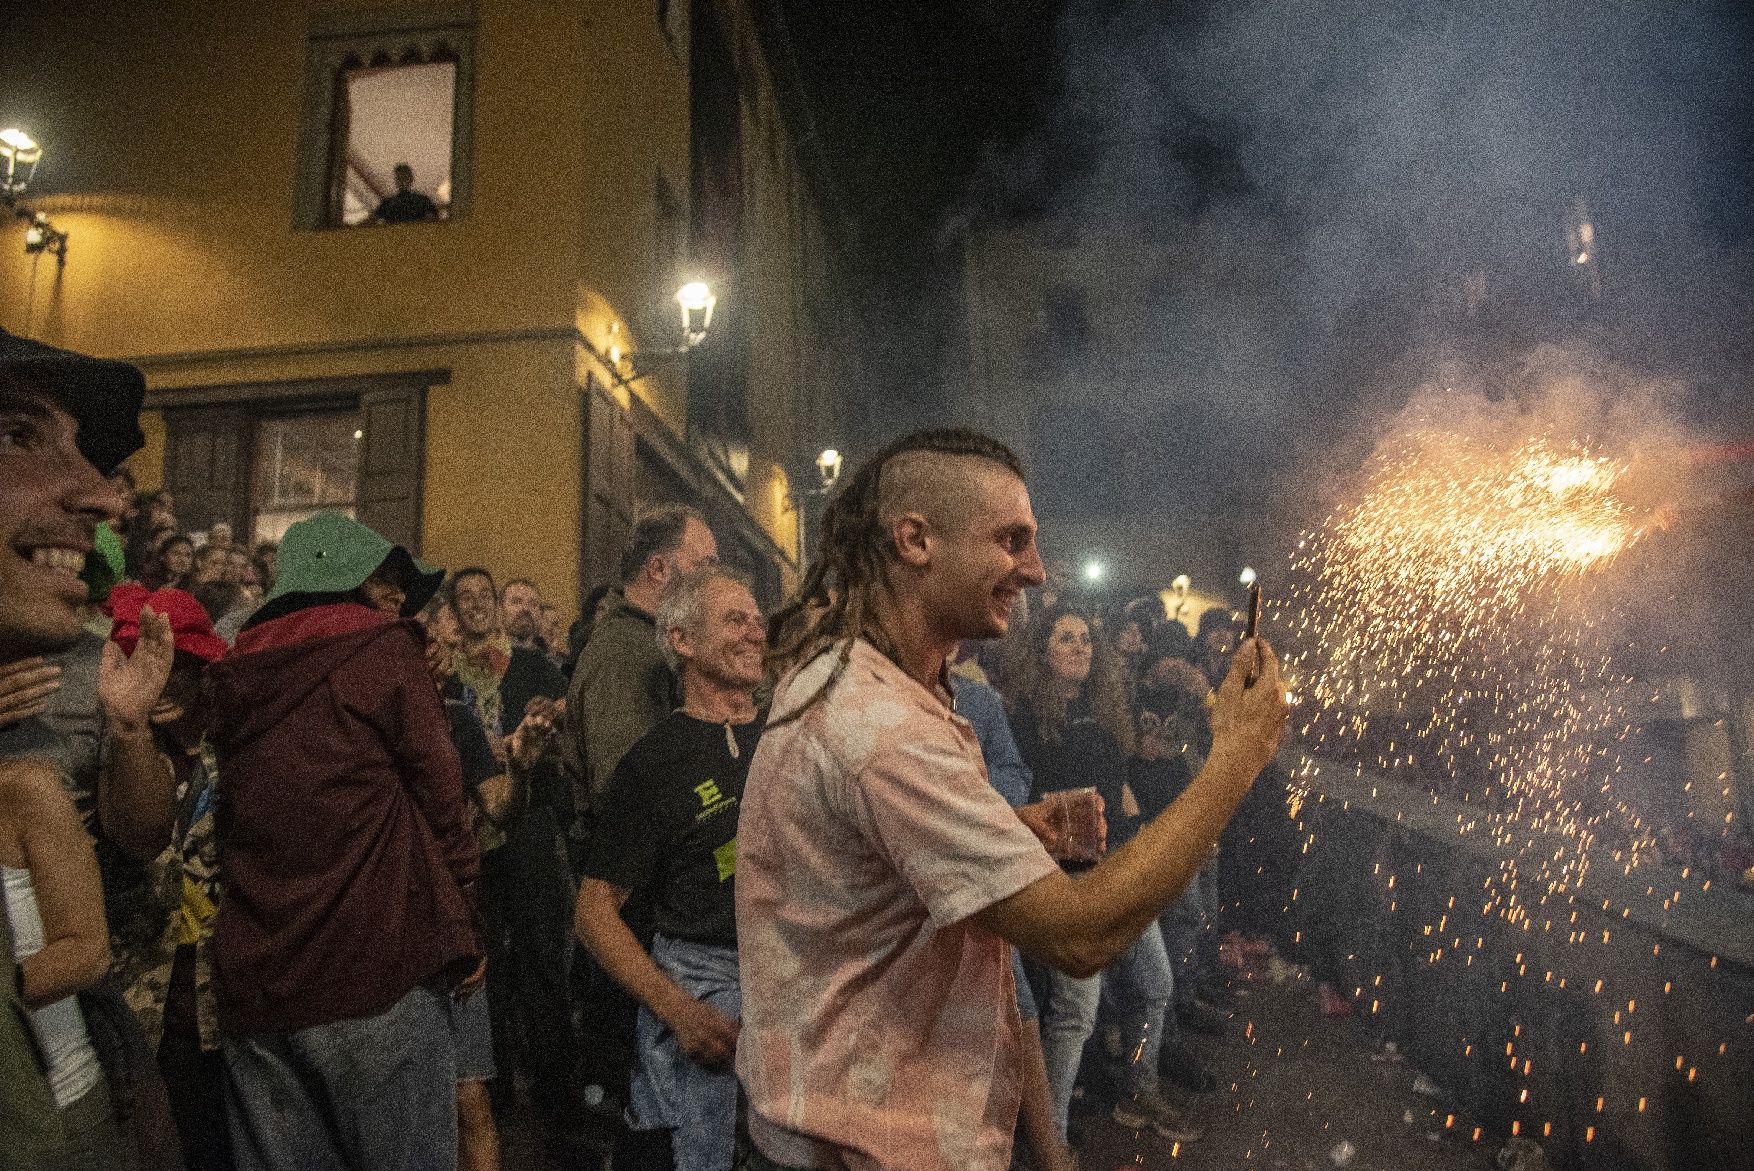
(880,1024)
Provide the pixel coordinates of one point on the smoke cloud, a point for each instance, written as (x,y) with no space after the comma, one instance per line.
(1274,222)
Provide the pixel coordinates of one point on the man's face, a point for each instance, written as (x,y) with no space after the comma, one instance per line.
(209,565)
(51,500)
(477,606)
(237,565)
(983,561)
(1131,640)
(179,558)
(383,593)
(522,607)
(727,647)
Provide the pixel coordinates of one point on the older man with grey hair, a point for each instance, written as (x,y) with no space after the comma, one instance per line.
(667,828)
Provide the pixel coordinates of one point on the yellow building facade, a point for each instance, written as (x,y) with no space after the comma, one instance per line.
(501,386)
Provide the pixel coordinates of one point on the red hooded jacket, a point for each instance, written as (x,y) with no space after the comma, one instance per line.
(348,864)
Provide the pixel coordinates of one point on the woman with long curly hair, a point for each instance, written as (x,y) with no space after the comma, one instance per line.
(1074,727)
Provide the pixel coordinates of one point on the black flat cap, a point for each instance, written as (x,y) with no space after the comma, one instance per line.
(103,396)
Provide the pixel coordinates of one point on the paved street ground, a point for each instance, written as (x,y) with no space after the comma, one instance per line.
(1293,1086)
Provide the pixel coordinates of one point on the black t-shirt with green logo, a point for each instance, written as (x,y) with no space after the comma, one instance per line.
(667,825)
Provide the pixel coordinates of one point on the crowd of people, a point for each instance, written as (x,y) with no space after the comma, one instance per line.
(318,856)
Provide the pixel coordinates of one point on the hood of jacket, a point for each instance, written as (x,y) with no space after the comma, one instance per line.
(275,666)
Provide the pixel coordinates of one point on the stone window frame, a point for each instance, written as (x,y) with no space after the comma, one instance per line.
(430,32)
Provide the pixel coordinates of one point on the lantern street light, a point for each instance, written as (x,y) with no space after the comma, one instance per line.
(807,503)
(1248,575)
(828,467)
(1181,585)
(21,153)
(42,236)
(696,301)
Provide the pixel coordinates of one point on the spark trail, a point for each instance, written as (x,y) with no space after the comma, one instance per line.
(1444,636)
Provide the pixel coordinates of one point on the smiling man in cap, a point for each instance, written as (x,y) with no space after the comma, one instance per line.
(66,422)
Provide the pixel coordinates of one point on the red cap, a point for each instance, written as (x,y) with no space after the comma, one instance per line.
(191,629)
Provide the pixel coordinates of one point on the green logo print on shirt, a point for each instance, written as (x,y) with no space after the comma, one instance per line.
(726,857)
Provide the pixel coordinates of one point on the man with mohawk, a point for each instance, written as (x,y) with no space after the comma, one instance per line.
(880,877)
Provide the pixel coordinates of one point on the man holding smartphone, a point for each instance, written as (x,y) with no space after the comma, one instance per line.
(880,876)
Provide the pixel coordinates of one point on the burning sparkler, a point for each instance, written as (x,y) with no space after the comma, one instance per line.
(1445,642)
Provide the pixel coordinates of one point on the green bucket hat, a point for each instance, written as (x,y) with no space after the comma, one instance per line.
(331,553)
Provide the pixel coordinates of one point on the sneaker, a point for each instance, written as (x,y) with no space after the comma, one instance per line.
(1178,1065)
(1199,1017)
(1150,1112)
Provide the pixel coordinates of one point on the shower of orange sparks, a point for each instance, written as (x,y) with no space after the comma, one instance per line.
(1434,640)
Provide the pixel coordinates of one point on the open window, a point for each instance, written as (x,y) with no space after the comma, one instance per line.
(391,143)
(387,129)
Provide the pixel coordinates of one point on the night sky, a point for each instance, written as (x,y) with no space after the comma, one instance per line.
(1319,174)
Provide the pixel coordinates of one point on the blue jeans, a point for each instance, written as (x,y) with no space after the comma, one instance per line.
(697,1105)
(1185,925)
(1136,989)
(1067,1021)
(377,1093)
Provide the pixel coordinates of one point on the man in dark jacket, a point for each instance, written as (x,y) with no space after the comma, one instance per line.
(622,686)
(348,915)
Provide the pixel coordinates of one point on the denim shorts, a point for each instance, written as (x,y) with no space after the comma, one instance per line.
(670,1092)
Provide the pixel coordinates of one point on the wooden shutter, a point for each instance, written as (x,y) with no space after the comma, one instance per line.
(206,467)
(390,468)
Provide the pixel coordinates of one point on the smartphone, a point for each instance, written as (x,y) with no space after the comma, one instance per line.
(1254,625)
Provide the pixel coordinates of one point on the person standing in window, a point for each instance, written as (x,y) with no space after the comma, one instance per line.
(407,206)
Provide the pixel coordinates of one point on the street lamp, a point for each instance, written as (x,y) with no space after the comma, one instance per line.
(1181,585)
(19,150)
(828,467)
(1248,575)
(22,153)
(807,503)
(1094,570)
(696,301)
